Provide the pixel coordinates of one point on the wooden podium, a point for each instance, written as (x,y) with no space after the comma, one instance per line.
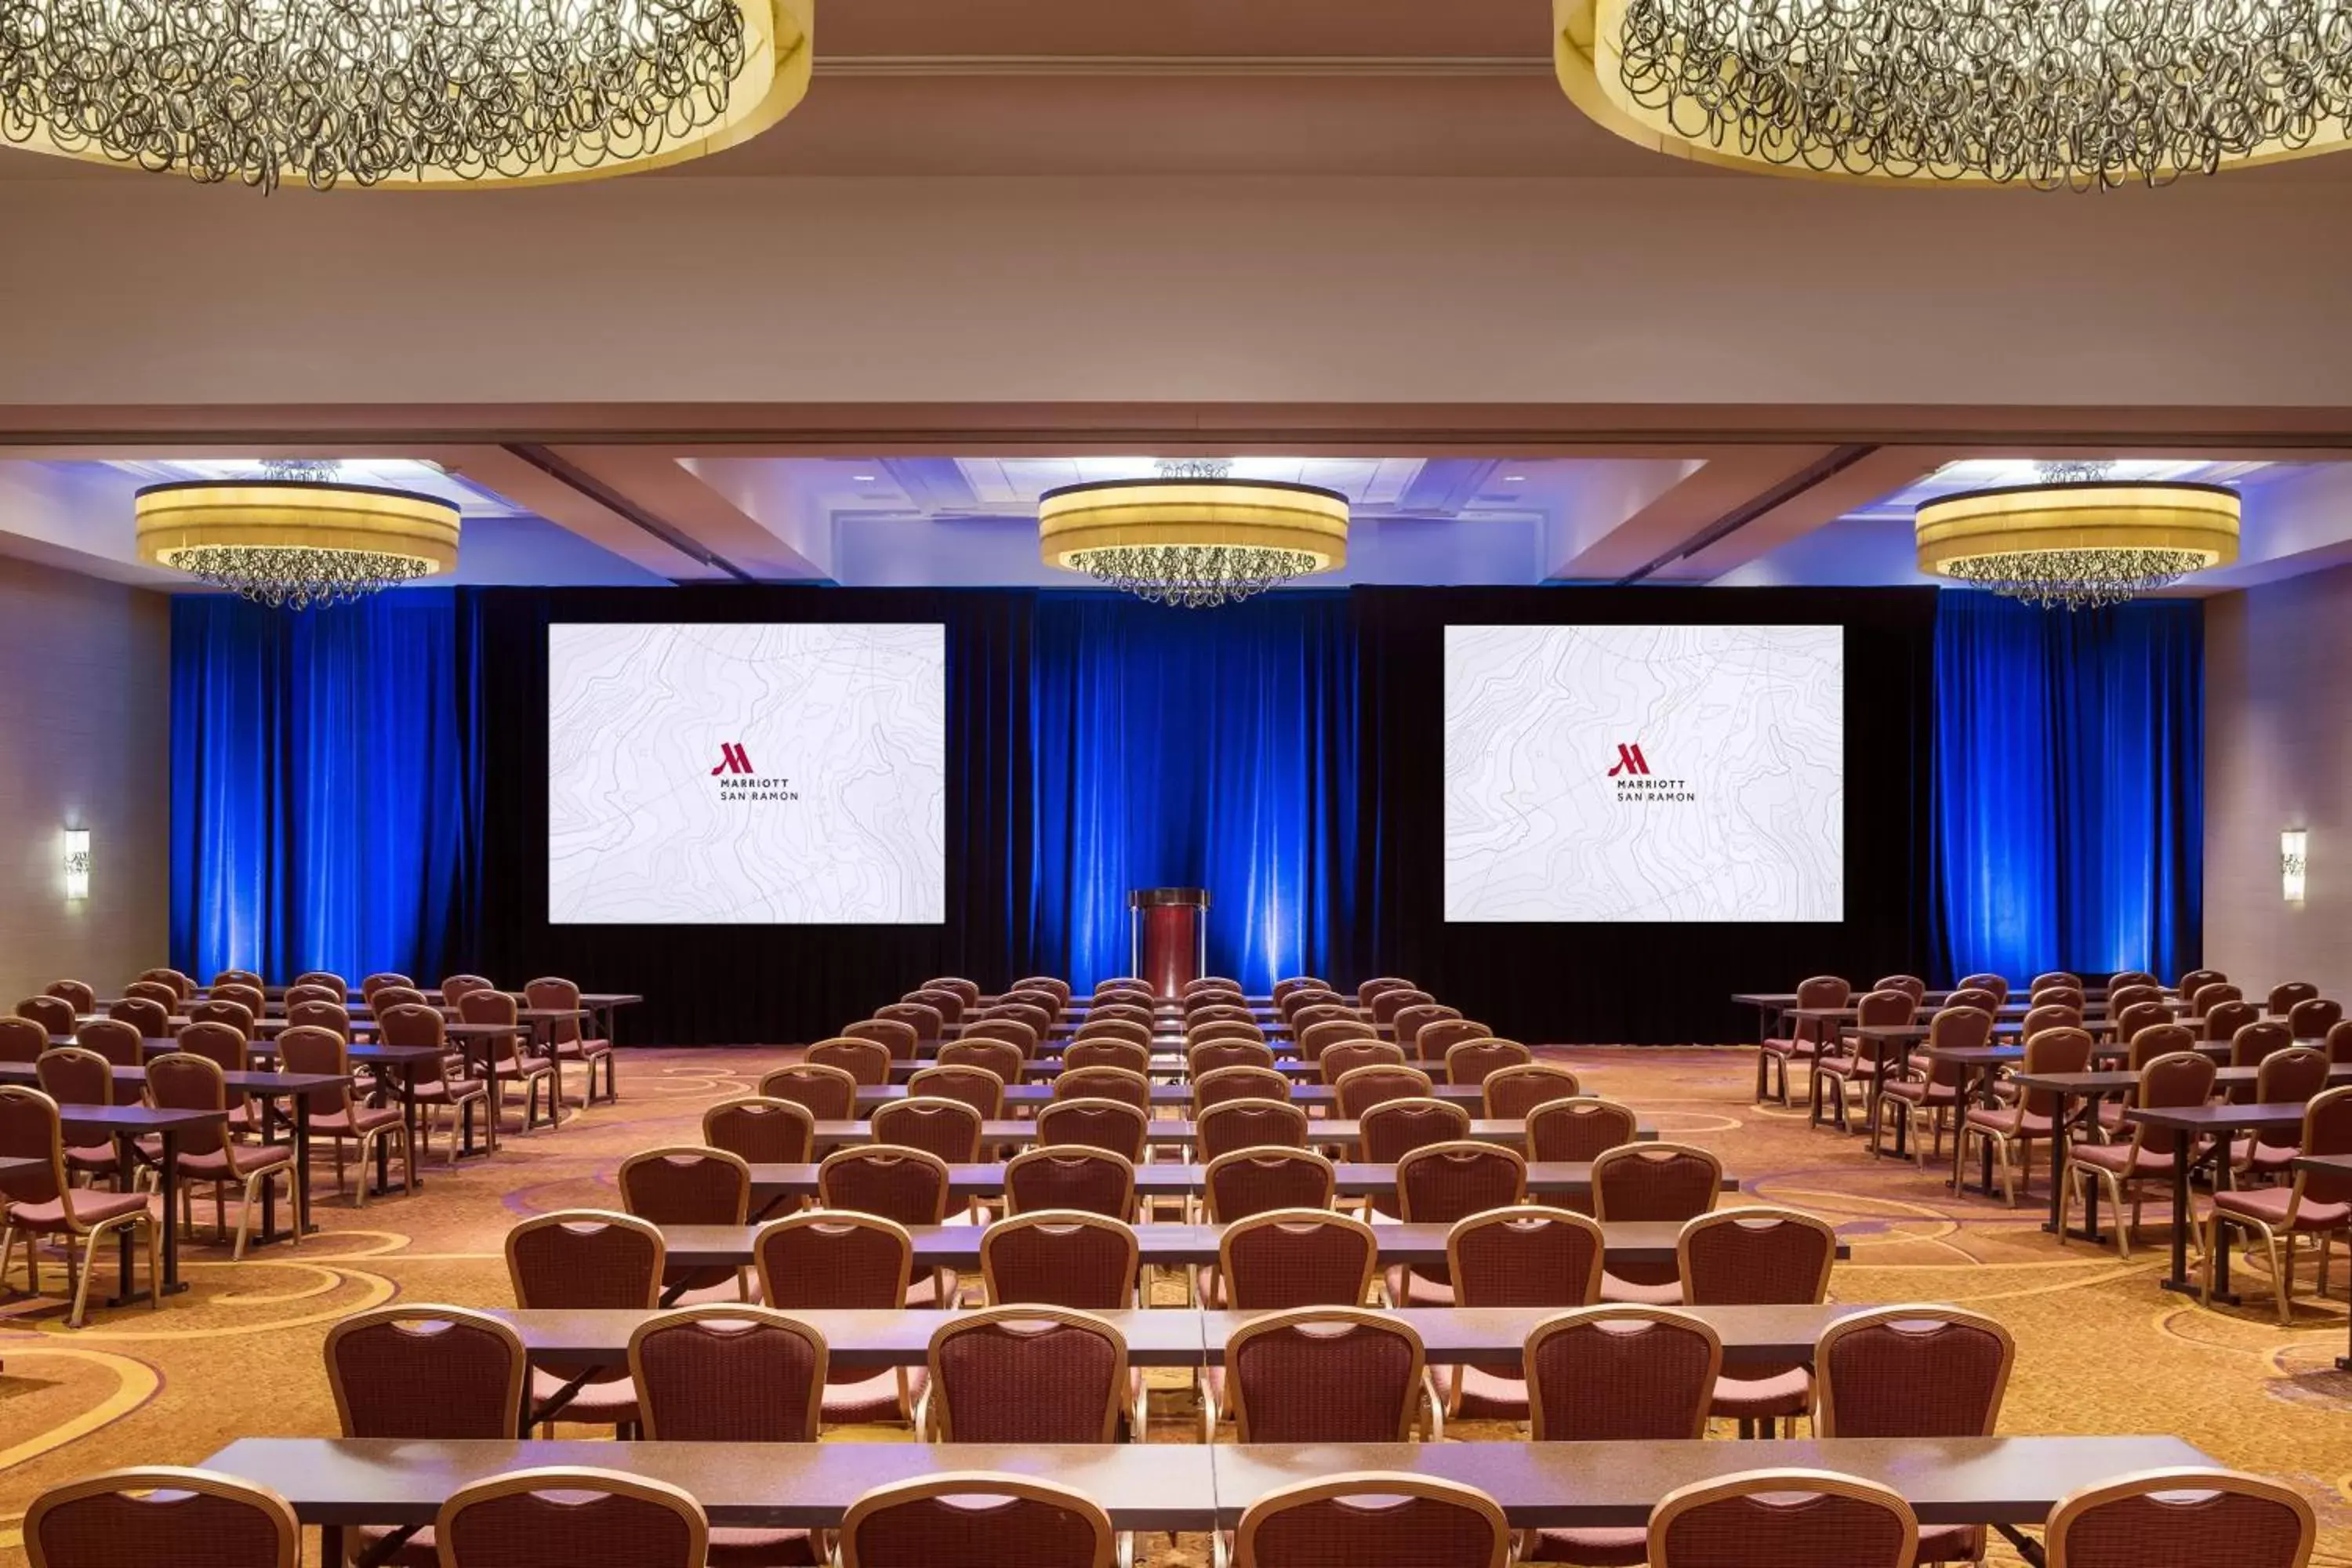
(1168,932)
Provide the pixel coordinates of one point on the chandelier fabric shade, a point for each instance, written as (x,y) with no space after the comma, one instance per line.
(1193,541)
(397,92)
(292,543)
(2048,93)
(2078,546)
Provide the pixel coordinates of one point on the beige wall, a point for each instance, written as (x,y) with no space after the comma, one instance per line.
(2278,753)
(85,740)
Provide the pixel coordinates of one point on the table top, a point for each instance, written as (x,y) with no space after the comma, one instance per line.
(2220,1118)
(1035,1094)
(1173,1131)
(133,1081)
(2325,1165)
(113,1120)
(2120,1080)
(1546,1178)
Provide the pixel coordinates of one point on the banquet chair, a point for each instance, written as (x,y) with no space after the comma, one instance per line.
(368,986)
(335,982)
(2208,997)
(1994,983)
(2186,1518)
(1474,1058)
(1244,1082)
(1279,1259)
(1297,1002)
(686,1184)
(1911,986)
(905,1186)
(1757,1256)
(968,990)
(949,1129)
(2318,1204)
(1393,1127)
(1931,1095)
(2122,996)
(156,991)
(2147,1045)
(116,1039)
(1580,1129)
(2013,1129)
(236,1014)
(586,1260)
(827,1093)
(1111,1124)
(762,1130)
(518,1066)
(207,1155)
(1358,1088)
(2253,1043)
(1805,1038)
(1433,1040)
(22,1039)
(1315,1041)
(1022,1036)
(1510,1093)
(864,1058)
(1128,1014)
(72,1076)
(2285,996)
(1040,1019)
(78,993)
(1060,1257)
(1389,1004)
(55,1014)
(1091,1181)
(386,996)
(948,1005)
(456,988)
(1327,1374)
(1916,1372)
(1377,984)
(2131,1019)
(2291,1077)
(2145,1154)
(1054,983)
(2312,1018)
(1211,983)
(977,1087)
(42,1201)
(1845,1058)
(824,1259)
(338,1115)
(1783,1516)
(145,1013)
(1439,1184)
(2339,1043)
(250,998)
(330,1016)
(2131,977)
(1230,1125)
(1104,1083)
(1652,1181)
(1030,1374)
(454,1091)
(1305,1012)
(564,1517)
(1371,1516)
(160,1514)
(2222,1021)
(1212,1007)
(1242,1182)
(1001,1056)
(1408,1022)
(898,1037)
(567,1041)
(1288,984)
(1107,1049)
(182,985)
(1226,1032)
(977,1520)
(926,1021)
(1522,1256)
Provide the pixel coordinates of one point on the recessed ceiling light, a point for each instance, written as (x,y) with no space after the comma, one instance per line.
(863,478)
(1515,478)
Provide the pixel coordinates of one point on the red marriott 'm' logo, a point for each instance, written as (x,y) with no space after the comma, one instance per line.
(1629,761)
(731,759)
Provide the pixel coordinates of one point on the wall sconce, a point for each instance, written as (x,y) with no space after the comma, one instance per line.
(76,863)
(2294,844)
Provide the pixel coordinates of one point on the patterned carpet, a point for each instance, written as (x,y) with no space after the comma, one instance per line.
(2101,1349)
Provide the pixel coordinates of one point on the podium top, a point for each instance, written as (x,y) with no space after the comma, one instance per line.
(1147,898)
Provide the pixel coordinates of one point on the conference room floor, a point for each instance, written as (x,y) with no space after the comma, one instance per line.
(2101,1349)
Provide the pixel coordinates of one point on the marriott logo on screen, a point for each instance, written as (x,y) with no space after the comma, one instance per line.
(1637,787)
(737,783)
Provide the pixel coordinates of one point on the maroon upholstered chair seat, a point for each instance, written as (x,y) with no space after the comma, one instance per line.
(2120,1158)
(90,1208)
(2271,1205)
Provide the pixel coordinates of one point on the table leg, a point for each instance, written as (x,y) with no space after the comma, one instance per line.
(494,1097)
(1990,1100)
(2179,1279)
(172,1286)
(2058,1169)
(302,1164)
(330,1546)
(1877,1098)
(266,1106)
(126,1160)
(2221,1291)
(2027,1549)
(555,1063)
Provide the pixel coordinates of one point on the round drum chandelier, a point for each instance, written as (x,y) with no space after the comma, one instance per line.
(1193,536)
(2050,93)
(2078,546)
(294,542)
(423,92)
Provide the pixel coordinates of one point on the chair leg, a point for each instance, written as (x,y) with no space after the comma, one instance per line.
(80,1309)
(2282,1276)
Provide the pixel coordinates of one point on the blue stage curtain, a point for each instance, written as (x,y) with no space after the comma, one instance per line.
(326,785)
(1182,748)
(2070,761)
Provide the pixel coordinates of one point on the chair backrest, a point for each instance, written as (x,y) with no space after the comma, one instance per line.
(2289,1077)
(370,985)
(1370,1516)
(1001,1056)
(1509,1093)
(307,1048)
(1107,1124)
(385,996)
(22,1039)
(71,1075)
(1410,1021)
(905,1184)
(1027,1374)
(866,1061)
(2205,998)
(2311,1018)
(829,1258)
(332,1016)
(1528,1256)
(1478,1058)
(1358,1090)
(1316,1035)
(1374,986)
(1222,1084)
(1129,1048)
(411,1024)
(2253,1043)
(1438,1184)
(328,979)
(828,1093)
(1294,1006)
(178,1080)
(2182,1519)
(161,1514)
(1887,1007)
(2181,1077)
(2326,1130)
(1233,1124)
(686,1185)
(1654,1181)
(896,1035)
(1783,1516)
(1022,1035)
(1910,985)
(1094,1181)
(456,987)
(236,1014)
(979,1521)
(1392,1128)
(977,1087)
(1104,1083)
(79,993)
(1123,1013)
(2224,1019)
(1975,997)
(2160,1041)
(116,1039)
(1994,983)
(947,1128)
(1580,1127)
(1061,1258)
(423,1373)
(1202,1011)
(156,991)
(1323,1374)
(560,1518)
(762,1130)
(1339,1058)
(30,1130)
(151,1018)
(577,1258)
(2054,1050)
(1755,1256)
(1244,1183)
(1202,1057)
(729,1373)
(1039,1019)
(250,998)
(1279,1259)
(967,989)
(1620,1373)
(948,1005)
(2339,1042)
(2050,1015)
(2142,1016)
(1957,1028)
(1389,1004)
(555,993)
(54,1014)
(2122,996)
(1912,1372)
(2286,993)
(927,1021)
(183,986)
(1052,983)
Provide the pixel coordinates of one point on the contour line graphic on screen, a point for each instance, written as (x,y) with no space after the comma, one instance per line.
(753,774)
(1644,774)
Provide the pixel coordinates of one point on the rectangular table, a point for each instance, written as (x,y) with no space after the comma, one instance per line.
(124,1125)
(1029,1097)
(1171,1131)
(2187,1124)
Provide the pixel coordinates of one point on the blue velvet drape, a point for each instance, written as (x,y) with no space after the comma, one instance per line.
(2070,785)
(327,784)
(1186,748)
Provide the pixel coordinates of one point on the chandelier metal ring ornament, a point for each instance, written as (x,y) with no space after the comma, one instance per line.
(292,543)
(2051,93)
(414,92)
(2078,546)
(1192,539)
